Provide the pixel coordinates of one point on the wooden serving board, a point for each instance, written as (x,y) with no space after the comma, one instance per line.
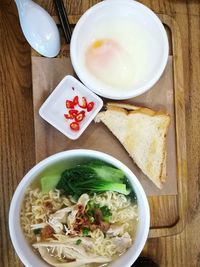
(168,206)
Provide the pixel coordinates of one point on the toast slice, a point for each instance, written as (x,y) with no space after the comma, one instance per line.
(142,131)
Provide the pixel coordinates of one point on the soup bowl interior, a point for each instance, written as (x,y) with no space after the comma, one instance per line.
(147,27)
(60,162)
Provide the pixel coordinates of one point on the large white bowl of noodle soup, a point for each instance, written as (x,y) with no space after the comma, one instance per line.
(119,48)
(66,158)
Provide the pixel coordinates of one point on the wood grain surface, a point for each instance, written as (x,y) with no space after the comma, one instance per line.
(17,154)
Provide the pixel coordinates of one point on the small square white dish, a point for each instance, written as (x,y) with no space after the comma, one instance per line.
(54,108)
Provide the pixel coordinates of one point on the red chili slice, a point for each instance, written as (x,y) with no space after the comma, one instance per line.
(69,104)
(74,126)
(84,103)
(68,116)
(90,106)
(73,112)
(75,100)
(80,116)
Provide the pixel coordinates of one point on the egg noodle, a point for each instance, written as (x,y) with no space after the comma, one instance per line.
(37,210)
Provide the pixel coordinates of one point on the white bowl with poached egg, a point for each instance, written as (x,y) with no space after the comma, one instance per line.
(119,49)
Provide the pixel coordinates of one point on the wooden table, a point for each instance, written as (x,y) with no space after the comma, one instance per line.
(17,131)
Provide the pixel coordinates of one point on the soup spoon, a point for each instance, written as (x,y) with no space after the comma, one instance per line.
(39,28)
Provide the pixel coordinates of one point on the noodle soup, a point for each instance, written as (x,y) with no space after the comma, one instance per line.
(65,214)
(85,215)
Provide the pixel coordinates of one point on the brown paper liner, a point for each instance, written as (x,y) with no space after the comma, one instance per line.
(47,73)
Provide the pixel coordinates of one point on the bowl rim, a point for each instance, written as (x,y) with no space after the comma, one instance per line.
(30,176)
(129,93)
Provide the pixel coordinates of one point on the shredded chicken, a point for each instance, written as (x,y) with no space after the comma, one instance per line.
(76,236)
(68,252)
(56,225)
(85,241)
(47,257)
(71,219)
(38,226)
(116,229)
(77,263)
(83,200)
(123,242)
(59,218)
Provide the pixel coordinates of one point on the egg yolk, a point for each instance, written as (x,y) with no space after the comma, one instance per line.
(97,44)
(102,52)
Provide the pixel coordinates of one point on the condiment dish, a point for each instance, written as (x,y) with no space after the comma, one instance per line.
(56,112)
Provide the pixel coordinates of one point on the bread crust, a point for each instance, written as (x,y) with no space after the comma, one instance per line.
(130,107)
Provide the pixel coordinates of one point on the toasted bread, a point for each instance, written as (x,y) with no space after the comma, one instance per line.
(142,131)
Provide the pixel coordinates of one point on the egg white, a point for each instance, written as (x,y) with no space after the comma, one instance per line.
(122,56)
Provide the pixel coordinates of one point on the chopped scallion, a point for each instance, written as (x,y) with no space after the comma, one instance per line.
(85,231)
(78,241)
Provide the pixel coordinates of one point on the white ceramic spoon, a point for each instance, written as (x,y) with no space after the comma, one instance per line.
(39,28)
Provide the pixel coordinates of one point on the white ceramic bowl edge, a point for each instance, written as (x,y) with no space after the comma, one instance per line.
(89,17)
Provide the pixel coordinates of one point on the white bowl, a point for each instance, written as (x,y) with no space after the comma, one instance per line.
(54,108)
(24,250)
(151,47)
